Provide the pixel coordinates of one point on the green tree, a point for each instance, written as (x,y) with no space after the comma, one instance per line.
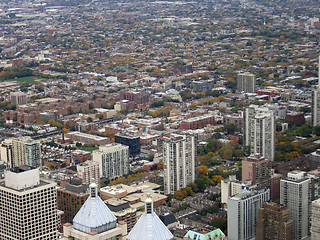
(230,128)
(186,94)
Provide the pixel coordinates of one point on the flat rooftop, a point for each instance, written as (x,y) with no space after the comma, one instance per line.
(42,183)
(85,135)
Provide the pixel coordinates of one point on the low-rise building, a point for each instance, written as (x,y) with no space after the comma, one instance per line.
(87,138)
(122,210)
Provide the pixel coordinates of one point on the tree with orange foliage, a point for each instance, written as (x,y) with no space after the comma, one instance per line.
(217,179)
(180,194)
(160,165)
(203,170)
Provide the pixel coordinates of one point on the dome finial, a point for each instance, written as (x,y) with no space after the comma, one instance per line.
(149,204)
(93,189)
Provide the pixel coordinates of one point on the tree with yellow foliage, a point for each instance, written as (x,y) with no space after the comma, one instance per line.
(203,170)
(180,194)
(160,165)
(217,179)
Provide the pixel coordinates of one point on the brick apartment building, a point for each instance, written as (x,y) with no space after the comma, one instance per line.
(197,122)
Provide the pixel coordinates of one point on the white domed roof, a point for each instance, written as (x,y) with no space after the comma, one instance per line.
(150,227)
(94,215)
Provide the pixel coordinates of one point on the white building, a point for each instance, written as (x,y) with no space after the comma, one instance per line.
(246,82)
(179,156)
(243,213)
(295,194)
(88,171)
(316,102)
(259,131)
(231,186)
(113,160)
(315,220)
(28,206)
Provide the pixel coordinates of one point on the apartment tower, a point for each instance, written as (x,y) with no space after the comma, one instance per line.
(274,222)
(316,101)
(259,131)
(113,160)
(243,213)
(257,170)
(26,151)
(246,82)
(295,194)
(179,154)
(315,220)
(89,172)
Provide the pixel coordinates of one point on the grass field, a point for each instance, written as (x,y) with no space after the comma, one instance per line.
(30,80)
(89,149)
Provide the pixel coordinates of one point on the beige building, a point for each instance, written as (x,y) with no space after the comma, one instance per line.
(315,220)
(21,151)
(88,171)
(6,152)
(113,160)
(18,98)
(246,82)
(231,186)
(28,206)
(87,138)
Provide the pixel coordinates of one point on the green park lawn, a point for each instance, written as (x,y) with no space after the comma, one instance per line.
(30,80)
(89,149)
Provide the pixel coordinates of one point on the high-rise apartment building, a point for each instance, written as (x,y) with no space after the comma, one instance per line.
(246,82)
(26,151)
(274,222)
(71,198)
(259,131)
(179,156)
(28,206)
(315,220)
(257,170)
(18,98)
(6,152)
(89,172)
(243,213)
(295,194)
(316,101)
(21,151)
(113,160)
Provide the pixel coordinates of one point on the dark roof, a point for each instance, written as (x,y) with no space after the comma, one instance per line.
(73,168)
(118,207)
(168,218)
